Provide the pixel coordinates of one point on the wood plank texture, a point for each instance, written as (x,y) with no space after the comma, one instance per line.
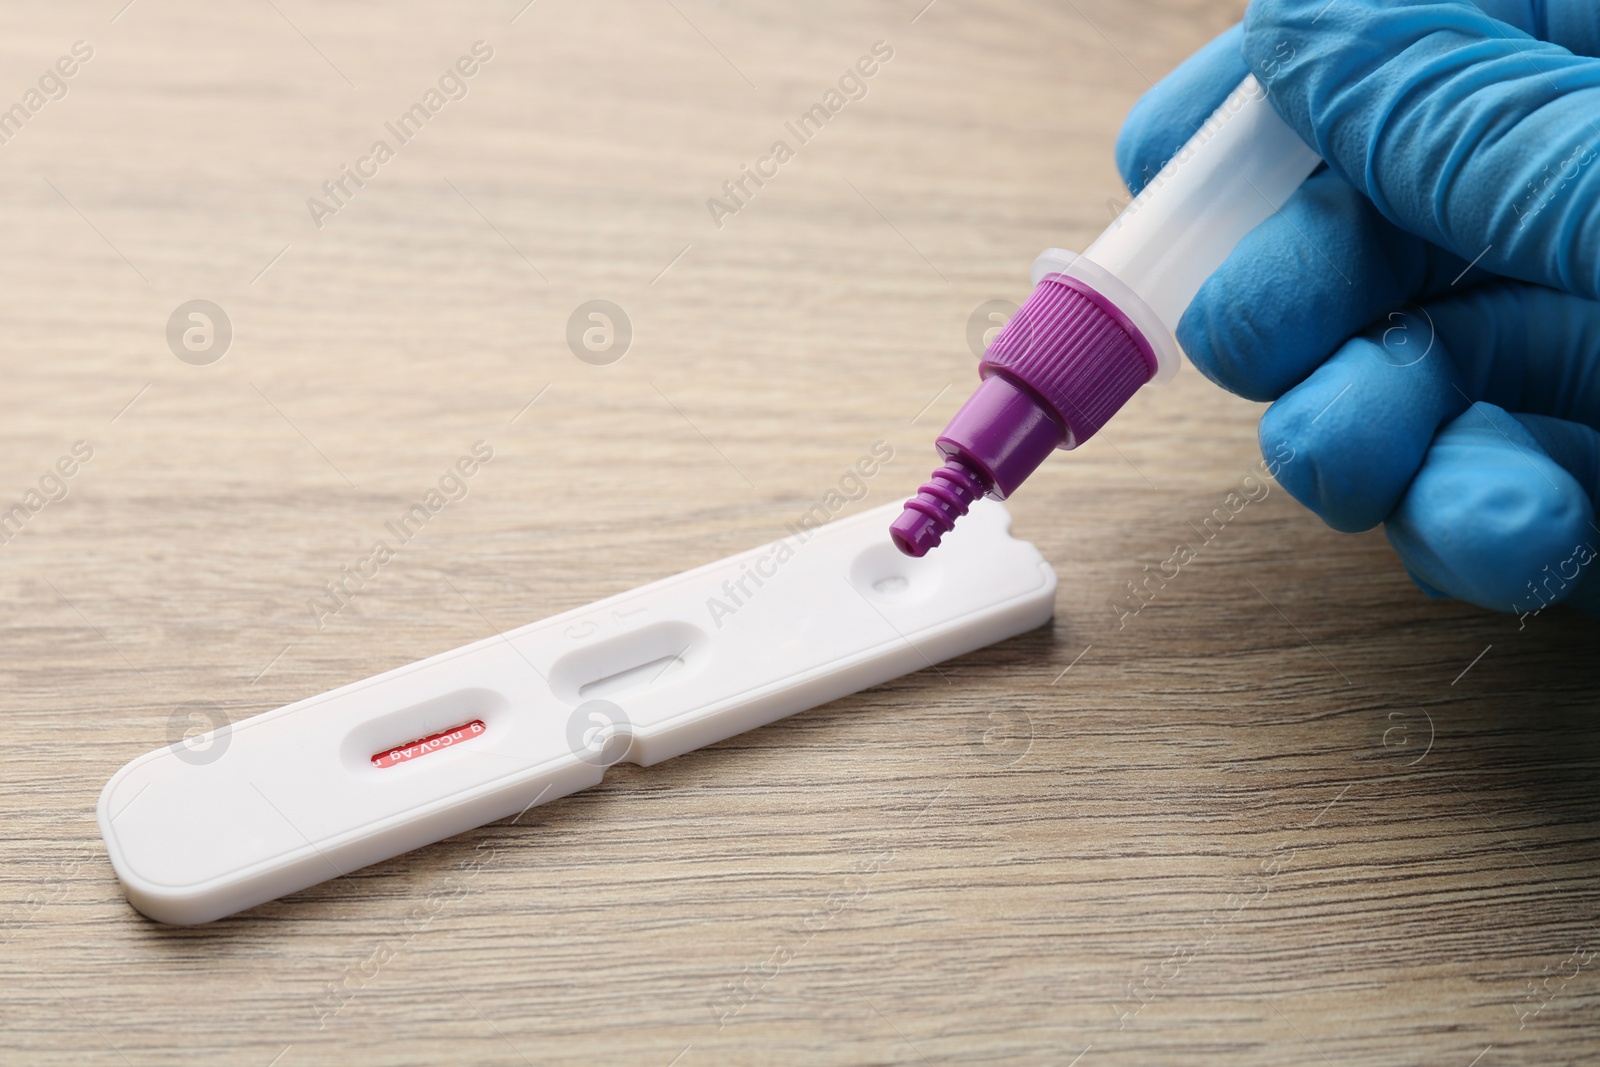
(1290,812)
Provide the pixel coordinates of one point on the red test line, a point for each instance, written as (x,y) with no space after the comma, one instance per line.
(432,743)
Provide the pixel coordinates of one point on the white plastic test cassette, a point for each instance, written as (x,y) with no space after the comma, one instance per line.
(292,797)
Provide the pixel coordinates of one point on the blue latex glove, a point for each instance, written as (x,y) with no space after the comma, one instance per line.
(1423,311)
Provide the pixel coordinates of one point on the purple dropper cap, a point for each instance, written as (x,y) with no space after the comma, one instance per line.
(1063,365)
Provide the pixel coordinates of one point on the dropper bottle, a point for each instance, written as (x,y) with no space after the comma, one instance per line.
(1100,325)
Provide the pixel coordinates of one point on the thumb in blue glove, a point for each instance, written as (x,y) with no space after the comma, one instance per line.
(1423,311)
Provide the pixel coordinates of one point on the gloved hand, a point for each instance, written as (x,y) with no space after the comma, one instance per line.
(1423,311)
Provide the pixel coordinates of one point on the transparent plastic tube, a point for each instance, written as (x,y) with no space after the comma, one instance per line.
(1235,173)
(1100,325)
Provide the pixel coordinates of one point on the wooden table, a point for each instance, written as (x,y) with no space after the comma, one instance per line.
(1290,812)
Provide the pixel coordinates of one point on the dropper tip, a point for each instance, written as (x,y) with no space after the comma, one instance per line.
(933,512)
(914,533)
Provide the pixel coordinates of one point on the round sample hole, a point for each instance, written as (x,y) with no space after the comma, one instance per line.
(881,572)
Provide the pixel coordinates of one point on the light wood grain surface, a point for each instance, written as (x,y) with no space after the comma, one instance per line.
(1274,818)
